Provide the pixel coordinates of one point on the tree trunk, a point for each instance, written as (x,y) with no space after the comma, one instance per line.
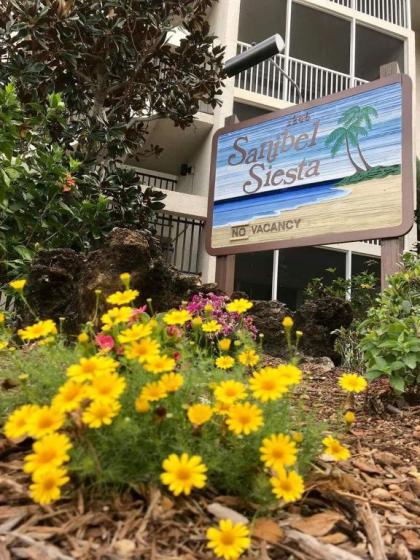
(357,168)
(362,157)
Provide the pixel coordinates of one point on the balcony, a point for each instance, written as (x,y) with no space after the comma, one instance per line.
(314,81)
(392,11)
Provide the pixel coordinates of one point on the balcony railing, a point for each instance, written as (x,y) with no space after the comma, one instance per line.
(314,81)
(394,11)
(158,182)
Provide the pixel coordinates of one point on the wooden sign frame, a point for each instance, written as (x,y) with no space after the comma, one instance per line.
(407,176)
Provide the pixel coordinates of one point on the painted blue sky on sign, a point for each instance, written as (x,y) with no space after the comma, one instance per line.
(381,147)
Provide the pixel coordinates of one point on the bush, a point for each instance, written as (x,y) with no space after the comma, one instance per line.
(47,198)
(120,407)
(364,288)
(391,333)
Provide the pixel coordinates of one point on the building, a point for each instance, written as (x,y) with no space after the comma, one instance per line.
(331,45)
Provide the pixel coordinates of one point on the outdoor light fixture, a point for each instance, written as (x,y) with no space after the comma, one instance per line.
(265,50)
(253,56)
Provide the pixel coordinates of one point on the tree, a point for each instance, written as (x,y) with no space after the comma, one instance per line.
(114,70)
(340,137)
(361,119)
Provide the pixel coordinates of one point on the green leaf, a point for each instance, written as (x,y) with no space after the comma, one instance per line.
(397,383)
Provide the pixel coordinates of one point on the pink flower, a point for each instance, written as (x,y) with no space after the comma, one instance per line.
(177,356)
(136,312)
(174,331)
(105,341)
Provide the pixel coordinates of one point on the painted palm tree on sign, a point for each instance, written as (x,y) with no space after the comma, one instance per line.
(361,119)
(343,137)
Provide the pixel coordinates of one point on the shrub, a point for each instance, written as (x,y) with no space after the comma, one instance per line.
(391,333)
(364,288)
(162,398)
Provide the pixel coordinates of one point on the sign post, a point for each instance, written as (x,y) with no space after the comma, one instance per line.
(391,249)
(333,170)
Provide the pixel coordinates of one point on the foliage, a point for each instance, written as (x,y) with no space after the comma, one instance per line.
(391,333)
(147,371)
(347,344)
(377,172)
(364,288)
(115,72)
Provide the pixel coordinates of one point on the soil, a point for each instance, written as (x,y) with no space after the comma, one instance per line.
(365,508)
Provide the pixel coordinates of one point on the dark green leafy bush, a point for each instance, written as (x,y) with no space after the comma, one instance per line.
(391,333)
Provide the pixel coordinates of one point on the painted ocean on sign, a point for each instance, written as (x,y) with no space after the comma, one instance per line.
(260,172)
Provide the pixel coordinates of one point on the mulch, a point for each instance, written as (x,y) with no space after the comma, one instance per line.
(365,508)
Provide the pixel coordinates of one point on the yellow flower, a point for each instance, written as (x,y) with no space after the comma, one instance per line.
(16,425)
(349,417)
(122,298)
(18,285)
(134,333)
(125,278)
(196,322)
(225,362)
(278,451)
(249,358)
(289,374)
(183,473)
(159,364)
(100,413)
(221,408)
(199,413)
(230,391)
(2,317)
(239,306)
(69,396)
(266,385)
(211,327)
(141,405)
(3,345)
(208,308)
(288,487)
(244,418)
(116,316)
(230,540)
(299,334)
(47,483)
(224,344)
(154,391)
(38,330)
(172,381)
(352,383)
(45,420)
(335,450)
(107,386)
(287,323)
(50,451)
(142,350)
(88,368)
(83,338)
(177,317)
(297,437)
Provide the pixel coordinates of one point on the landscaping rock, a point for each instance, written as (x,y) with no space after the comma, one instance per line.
(268,317)
(318,319)
(62,282)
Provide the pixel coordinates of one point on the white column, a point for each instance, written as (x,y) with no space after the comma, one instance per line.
(289,7)
(352,50)
(348,273)
(275,278)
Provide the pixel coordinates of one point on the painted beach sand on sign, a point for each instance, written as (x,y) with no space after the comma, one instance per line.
(326,169)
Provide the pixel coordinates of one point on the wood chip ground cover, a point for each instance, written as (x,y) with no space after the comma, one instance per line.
(365,508)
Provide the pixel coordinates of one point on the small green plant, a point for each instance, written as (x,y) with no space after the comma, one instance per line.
(347,344)
(390,336)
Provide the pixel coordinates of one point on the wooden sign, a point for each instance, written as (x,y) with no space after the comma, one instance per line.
(333,170)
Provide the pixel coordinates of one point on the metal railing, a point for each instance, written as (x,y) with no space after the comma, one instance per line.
(180,239)
(158,182)
(394,11)
(314,81)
